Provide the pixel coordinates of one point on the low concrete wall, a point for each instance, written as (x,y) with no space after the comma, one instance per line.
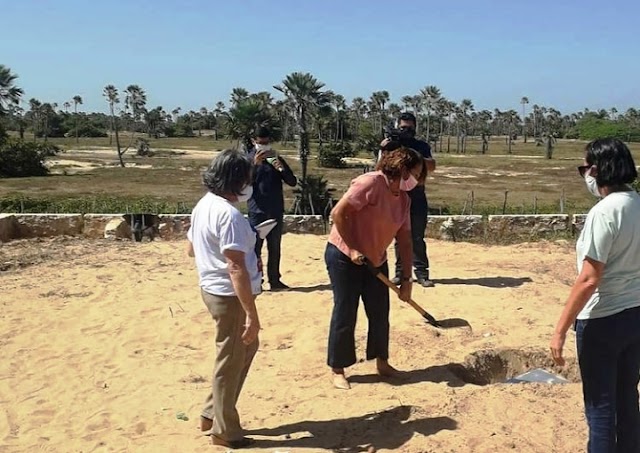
(534,226)
(175,226)
(304,224)
(47,225)
(8,229)
(95,224)
(577,223)
(455,227)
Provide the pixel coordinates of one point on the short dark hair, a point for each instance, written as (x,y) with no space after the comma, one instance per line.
(407,116)
(228,173)
(392,163)
(613,160)
(263,132)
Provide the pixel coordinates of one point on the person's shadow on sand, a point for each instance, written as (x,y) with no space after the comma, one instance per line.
(436,373)
(390,429)
(489,282)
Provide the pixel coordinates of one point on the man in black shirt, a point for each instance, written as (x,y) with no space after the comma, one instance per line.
(267,201)
(419,204)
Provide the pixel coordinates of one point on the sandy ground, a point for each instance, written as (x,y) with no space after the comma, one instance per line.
(104,344)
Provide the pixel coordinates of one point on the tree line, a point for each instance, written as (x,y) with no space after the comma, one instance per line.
(307,111)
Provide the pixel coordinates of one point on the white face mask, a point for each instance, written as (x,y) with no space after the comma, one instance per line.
(407,185)
(260,147)
(245,193)
(592,185)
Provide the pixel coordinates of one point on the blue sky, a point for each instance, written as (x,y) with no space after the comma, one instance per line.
(191,53)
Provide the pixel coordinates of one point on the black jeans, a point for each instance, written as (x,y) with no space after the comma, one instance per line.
(609,358)
(419,212)
(350,282)
(274,242)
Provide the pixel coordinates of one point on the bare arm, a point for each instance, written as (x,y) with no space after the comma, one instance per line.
(242,287)
(583,288)
(430,163)
(190,251)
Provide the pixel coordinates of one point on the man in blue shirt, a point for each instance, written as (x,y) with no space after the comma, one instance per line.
(267,201)
(419,204)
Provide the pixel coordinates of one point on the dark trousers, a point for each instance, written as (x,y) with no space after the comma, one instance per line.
(274,242)
(419,212)
(609,358)
(351,282)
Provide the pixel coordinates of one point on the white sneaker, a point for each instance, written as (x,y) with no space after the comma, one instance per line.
(264,228)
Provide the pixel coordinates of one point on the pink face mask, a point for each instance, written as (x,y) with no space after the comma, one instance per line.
(407,185)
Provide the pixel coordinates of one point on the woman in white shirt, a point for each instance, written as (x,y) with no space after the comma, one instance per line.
(223,242)
(604,303)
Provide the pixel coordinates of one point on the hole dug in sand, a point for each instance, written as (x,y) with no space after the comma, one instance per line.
(496,366)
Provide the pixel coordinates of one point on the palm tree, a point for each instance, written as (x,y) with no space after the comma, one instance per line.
(35,114)
(135,101)
(524,101)
(238,95)
(306,95)
(111,94)
(9,93)
(466,107)
(243,119)
(76,100)
(358,107)
(175,112)
(340,104)
(66,105)
(430,94)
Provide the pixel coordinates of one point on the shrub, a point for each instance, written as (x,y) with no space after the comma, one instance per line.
(88,130)
(591,128)
(315,190)
(332,155)
(21,159)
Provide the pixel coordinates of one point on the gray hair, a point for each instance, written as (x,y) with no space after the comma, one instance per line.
(228,173)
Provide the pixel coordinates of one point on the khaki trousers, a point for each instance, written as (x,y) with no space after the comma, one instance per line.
(233,360)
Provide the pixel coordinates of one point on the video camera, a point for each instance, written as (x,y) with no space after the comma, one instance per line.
(398,137)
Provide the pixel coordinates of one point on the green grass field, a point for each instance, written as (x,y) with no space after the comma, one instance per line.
(170,180)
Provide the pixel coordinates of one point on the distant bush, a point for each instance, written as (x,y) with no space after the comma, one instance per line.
(21,159)
(591,128)
(332,155)
(88,130)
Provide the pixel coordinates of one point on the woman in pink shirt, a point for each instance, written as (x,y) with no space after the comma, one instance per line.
(373,212)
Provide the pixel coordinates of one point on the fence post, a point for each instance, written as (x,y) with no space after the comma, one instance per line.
(473,197)
(562,202)
(504,205)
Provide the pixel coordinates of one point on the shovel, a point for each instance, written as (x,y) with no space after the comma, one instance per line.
(383,278)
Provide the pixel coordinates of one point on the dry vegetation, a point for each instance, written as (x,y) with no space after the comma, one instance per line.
(172,175)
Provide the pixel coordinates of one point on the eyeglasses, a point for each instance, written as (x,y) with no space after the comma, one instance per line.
(582,169)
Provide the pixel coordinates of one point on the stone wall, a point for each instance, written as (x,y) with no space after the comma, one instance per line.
(47,225)
(7,227)
(175,227)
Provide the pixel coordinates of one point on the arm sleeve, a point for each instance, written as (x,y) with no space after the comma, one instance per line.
(286,174)
(231,234)
(425,150)
(598,235)
(363,191)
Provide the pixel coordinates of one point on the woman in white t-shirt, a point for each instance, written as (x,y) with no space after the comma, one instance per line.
(604,303)
(223,242)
